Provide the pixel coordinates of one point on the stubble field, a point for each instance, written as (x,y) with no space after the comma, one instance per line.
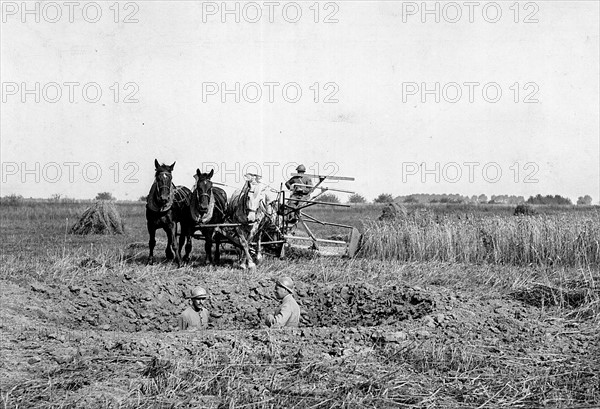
(448,307)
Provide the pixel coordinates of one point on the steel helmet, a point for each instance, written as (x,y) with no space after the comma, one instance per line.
(198,292)
(286,283)
(301,168)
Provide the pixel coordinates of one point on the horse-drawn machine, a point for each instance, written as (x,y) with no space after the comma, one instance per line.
(292,216)
(255,219)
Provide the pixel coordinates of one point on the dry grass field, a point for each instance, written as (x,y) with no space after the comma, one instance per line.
(450,307)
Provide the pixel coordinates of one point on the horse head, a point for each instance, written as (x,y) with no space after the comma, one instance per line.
(203,190)
(253,197)
(164,182)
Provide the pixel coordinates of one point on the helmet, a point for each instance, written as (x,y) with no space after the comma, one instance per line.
(198,292)
(286,283)
(301,168)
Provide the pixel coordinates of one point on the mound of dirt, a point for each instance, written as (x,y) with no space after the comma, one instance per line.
(125,304)
(101,218)
(572,295)
(364,305)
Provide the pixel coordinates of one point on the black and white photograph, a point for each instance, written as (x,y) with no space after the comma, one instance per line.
(300,204)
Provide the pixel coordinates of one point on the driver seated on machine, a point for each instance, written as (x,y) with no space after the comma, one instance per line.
(301,187)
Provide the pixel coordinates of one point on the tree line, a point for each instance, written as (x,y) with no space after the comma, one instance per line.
(421,198)
(425,198)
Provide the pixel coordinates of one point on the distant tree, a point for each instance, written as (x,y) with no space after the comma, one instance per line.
(516,199)
(384,198)
(356,198)
(13,200)
(143,198)
(585,200)
(328,198)
(55,197)
(498,199)
(548,200)
(537,199)
(411,199)
(482,198)
(104,196)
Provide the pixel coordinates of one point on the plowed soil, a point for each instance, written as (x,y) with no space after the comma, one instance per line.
(92,336)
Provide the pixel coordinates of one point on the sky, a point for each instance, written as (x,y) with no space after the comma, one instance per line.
(497,98)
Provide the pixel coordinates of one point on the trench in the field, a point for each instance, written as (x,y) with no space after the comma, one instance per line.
(118,305)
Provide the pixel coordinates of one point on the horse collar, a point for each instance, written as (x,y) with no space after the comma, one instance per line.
(151,202)
(195,214)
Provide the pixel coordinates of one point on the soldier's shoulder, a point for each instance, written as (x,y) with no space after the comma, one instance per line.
(188,313)
(290,300)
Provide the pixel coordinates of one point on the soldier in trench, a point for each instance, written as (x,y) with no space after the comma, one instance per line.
(288,313)
(195,317)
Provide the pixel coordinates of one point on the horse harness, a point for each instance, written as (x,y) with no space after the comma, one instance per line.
(151,202)
(212,205)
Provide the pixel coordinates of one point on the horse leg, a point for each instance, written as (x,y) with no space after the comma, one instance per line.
(258,252)
(186,237)
(188,247)
(208,245)
(172,244)
(255,233)
(217,249)
(151,242)
(169,250)
(246,252)
(182,238)
(234,238)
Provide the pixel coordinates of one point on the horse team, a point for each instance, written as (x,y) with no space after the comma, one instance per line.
(207,208)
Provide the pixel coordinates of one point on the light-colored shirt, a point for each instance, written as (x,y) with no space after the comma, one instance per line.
(288,314)
(190,319)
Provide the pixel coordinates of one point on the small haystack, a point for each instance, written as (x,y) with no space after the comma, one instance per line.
(524,209)
(101,218)
(393,211)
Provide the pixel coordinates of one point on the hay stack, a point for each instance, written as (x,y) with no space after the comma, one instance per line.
(101,218)
(393,211)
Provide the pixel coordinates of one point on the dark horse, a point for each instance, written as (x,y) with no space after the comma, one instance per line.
(208,205)
(162,211)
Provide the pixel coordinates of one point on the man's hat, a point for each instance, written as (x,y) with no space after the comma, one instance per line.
(286,283)
(198,292)
(301,168)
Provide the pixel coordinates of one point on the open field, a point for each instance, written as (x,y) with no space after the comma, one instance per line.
(85,323)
